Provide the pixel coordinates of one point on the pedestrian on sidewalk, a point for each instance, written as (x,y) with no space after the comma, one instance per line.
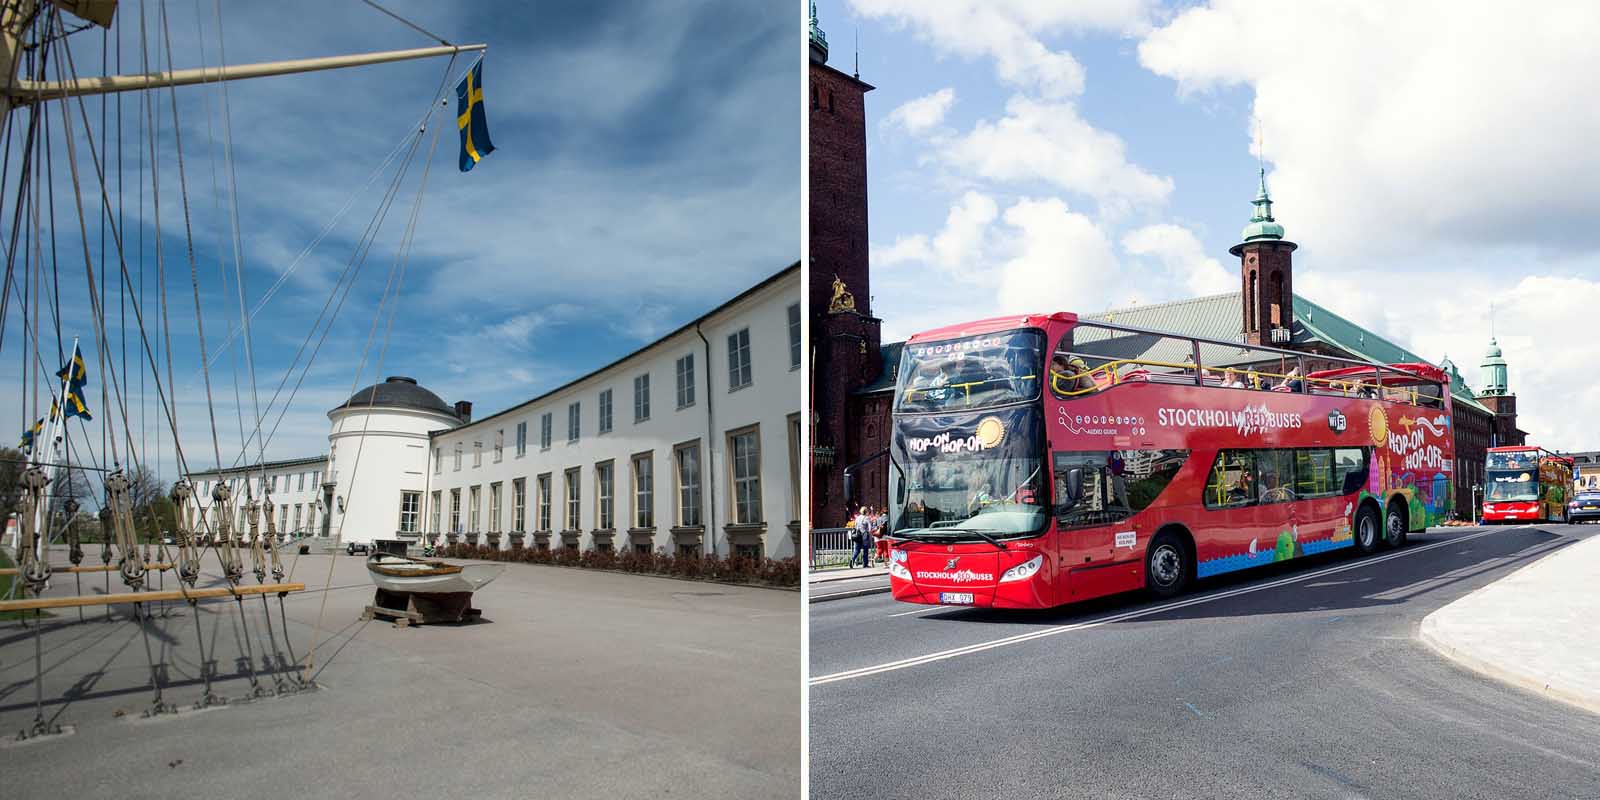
(880,518)
(862,537)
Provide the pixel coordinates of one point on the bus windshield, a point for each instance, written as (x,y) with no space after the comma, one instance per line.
(1515,484)
(985,474)
(1522,460)
(973,372)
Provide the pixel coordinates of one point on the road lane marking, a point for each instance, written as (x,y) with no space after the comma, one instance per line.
(862,672)
(924,610)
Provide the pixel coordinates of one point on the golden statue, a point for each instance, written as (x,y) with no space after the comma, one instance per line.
(842,300)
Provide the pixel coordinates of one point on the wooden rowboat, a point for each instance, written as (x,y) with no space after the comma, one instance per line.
(424,576)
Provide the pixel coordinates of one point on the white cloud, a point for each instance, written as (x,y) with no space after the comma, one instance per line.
(1426,121)
(1049,142)
(1063,260)
(922,114)
(1178,250)
(1009,32)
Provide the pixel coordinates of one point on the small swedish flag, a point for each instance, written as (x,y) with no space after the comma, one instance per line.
(30,434)
(76,376)
(470,118)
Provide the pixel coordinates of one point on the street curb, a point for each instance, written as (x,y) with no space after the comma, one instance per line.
(1490,669)
(847,595)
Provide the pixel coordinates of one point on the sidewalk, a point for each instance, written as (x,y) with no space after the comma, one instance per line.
(1534,628)
(834,583)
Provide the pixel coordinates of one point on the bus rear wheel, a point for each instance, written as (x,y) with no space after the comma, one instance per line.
(1166,565)
(1366,530)
(1394,527)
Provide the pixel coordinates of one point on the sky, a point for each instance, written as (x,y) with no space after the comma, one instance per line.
(1431,159)
(647,169)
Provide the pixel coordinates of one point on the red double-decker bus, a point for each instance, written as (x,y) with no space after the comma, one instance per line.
(1043,460)
(1525,484)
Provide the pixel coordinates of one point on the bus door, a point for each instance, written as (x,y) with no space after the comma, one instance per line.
(1237,521)
(1091,510)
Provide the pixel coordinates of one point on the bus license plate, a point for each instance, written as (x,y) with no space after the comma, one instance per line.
(956,598)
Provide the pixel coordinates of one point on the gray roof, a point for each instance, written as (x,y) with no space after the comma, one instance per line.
(398,391)
(888,372)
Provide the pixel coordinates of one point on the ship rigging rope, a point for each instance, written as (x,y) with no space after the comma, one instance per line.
(409,24)
(402,260)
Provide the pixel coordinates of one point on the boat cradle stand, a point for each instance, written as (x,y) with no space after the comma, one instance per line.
(415,608)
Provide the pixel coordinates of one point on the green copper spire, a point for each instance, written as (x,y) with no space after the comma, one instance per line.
(1262,225)
(1494,370)
(819,40)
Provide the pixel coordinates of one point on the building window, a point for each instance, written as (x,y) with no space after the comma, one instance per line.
(298,511)
(794,336)
(794,466)
(311,517)
(433,513)
(494,507)
(302,483)
(744,461)
(605,499)
(455,511)
(519,505)
(522,438)
(605,411)
(458,457)
(739,359)
(687,457)
(474,511)
(641,398)
(574,505)
(283,516)
(686,381)
(410,511)
(545,425)
(572,422)
(477,454)
(438,460)
(644,493)
(543,487)
(499,445)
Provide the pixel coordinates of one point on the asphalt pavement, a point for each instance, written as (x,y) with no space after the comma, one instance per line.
(576,683)
(1302,680)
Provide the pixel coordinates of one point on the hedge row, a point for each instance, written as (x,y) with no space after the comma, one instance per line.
(734,569)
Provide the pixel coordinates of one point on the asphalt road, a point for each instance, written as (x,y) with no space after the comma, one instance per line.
(1303,682)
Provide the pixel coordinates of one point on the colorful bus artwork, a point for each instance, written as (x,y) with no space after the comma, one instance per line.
(1525,484)
(1044,460)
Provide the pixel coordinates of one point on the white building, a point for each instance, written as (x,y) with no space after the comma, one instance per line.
(689,444)
(291,488)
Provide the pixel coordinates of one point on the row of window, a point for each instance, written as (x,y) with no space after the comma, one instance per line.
(744,474)
(739,377)
(303,513)
(269,484)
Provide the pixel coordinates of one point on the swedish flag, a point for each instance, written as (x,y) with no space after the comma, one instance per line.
(470,118)
(31,434)
(76,376)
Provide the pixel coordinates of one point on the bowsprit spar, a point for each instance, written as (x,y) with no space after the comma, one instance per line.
(68,216)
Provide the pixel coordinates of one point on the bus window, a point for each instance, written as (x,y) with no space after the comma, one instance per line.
(973,372)
(1116,484)
(1313,473)
(1231,482)
(1350,469)
(1276,470)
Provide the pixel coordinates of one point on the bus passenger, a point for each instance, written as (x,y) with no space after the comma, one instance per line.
(1230,379)
(1292,382)
(930,381)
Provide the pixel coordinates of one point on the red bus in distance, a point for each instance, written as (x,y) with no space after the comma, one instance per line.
(1043,460)
(1525,484)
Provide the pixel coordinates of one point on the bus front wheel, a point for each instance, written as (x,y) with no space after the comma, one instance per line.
(1366,530)
(1166,565)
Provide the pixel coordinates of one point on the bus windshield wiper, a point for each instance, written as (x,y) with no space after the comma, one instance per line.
(986,537)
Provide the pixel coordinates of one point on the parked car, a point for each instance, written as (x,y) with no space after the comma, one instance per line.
(358,547)
(1584,507)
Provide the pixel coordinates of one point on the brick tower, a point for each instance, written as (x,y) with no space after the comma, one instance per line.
(1266,272)
(844,334)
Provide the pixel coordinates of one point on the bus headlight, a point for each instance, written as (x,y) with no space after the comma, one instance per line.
(1023,571)
(898,570)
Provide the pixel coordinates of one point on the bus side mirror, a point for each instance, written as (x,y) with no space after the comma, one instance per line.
(1074,485)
